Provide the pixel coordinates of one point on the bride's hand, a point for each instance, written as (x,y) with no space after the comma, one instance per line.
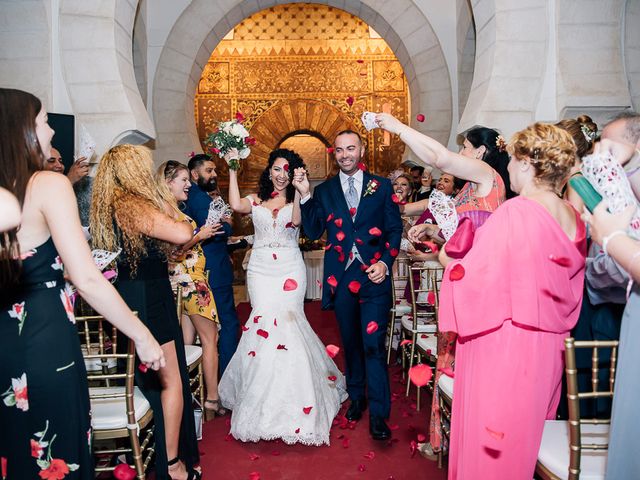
(232,154)
(300,181)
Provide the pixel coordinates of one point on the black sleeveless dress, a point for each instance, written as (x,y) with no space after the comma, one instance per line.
(45,425)
(148,292)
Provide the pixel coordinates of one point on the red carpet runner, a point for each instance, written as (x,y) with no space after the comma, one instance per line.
(352,454)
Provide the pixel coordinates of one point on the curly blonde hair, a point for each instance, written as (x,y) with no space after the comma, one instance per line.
(124,195)
(549,149)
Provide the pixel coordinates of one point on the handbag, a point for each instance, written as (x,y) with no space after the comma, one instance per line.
(462,240)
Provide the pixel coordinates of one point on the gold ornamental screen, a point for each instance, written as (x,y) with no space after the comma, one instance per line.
(300,73)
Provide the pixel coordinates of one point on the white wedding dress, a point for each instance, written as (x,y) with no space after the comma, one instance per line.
(280,383)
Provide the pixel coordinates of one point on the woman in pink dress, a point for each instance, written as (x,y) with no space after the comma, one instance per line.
(512,300)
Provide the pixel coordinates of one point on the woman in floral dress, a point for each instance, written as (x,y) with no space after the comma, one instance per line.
(189,272)
(45,426)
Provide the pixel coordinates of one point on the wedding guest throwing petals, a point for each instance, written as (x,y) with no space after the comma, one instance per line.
(280,383)
(45,422)
(512,300)
(363,225)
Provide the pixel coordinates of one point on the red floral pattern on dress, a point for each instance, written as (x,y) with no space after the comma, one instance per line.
(50,468)
(20,313)
(16,394)
(67,303)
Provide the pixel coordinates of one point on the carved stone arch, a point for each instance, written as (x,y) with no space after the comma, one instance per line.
(203,24)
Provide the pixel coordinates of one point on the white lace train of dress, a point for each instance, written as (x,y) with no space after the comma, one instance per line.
(280,383)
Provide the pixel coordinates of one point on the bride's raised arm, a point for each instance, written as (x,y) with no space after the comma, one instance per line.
(238,204)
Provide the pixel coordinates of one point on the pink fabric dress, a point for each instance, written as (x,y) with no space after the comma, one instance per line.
(512,300)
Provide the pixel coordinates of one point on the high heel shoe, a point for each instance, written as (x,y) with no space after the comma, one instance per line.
(217,410)
(192,474)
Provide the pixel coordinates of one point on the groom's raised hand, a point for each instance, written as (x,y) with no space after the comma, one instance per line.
(300,182)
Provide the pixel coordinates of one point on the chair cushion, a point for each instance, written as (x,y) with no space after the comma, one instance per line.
(428,343)
(554,450)
(407,323)
(193,353)
(111,413)
(445,384)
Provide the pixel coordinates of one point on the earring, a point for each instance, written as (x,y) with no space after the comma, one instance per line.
(269,176)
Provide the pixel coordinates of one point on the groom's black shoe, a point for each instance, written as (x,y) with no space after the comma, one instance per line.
(355,409)
(378,428)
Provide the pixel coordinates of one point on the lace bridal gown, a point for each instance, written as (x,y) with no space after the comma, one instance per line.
(280,383)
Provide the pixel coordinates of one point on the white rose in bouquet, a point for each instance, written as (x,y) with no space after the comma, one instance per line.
(231,141)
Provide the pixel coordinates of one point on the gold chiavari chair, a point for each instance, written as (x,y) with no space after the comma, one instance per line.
(445,400)
(400,307)
(579,446)
(118,409)
(421,326)
(192,353)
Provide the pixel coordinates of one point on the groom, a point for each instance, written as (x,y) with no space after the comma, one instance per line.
(363,237)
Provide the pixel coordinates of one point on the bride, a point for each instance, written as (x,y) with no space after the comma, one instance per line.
(280,383)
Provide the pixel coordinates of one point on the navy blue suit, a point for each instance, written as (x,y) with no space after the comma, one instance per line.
(365,353)
(220,274)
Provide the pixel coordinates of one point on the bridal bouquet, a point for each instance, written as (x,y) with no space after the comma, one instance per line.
(229,136)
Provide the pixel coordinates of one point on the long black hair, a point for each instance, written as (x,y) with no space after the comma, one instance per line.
(495,155)
(265,184)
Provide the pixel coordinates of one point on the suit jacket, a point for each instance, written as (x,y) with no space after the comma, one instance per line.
(215,248)
(328,210)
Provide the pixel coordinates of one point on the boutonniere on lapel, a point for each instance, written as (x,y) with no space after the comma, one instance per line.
(372,186)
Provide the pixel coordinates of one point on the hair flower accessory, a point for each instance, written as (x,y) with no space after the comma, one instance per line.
(230,140)
(372,186)
(589,135)
(501,145)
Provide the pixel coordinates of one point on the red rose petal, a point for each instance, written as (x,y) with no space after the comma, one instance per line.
(143,368)
(275,322)
(254,476)
(395,198)
(372,327)
(318,283)
(281,347)
(340,235)
(420,117)
(395,426)
(263,333)
(420,374)
(330,150)
(253,456)
(331,280)
(338,248)
(413,447)
(362,166)
(373,260)
(255,204)
(274,194)
(239,116)
(361,468)
(421,438)
(327,247)
(394,252)
(370,455)
(431,298)
(377,255)
(307,410)
(456,272)
(297,430)
(289,225)
(432,246)
(354,286)
(345,443)
(350,255)
(332,350)
(285,167)
(359,241)
(329,217)
(275,257)
(494,434)
(256,318)
(244,328)
(338,222)
(428,351)
(364,268)
(405,342)
(341,258)
(332,378)
(360,60)
(289,285)
(447,371)
(562,261)
(375,231)
(275,212)
(121,472)
(350,100)
(252,353)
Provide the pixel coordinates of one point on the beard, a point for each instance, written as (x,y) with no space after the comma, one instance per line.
(207,186)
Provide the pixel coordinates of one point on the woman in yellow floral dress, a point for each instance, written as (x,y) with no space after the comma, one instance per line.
(187,269)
